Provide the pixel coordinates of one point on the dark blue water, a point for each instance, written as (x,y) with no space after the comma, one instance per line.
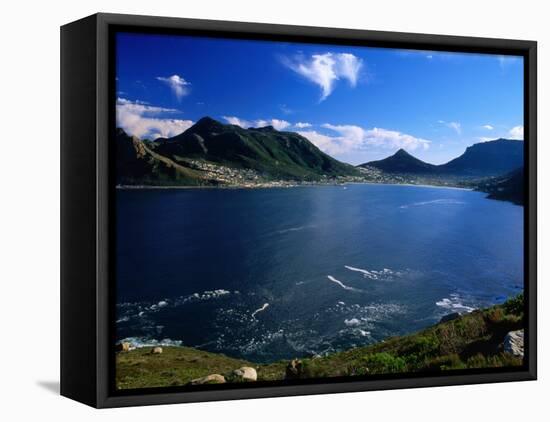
(268,274)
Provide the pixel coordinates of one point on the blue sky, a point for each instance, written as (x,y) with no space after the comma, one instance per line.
(355,103)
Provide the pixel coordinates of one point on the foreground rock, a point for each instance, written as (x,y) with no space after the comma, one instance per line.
(245,373)
(123,347)
(294,369)
(209,379)
(513,343)
(156,350)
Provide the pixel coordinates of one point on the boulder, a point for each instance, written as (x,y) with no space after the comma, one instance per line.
(209,379)
(449,317)
(123,347)
(245,373)
(156,350)
(513,343)
(294,369)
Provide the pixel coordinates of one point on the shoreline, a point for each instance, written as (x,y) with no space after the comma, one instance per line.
(243,187)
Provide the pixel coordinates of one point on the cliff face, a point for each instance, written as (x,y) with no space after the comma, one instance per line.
(474,340)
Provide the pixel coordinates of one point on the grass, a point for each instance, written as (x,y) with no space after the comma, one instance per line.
(470,341)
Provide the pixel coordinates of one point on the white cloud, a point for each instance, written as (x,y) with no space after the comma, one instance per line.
(328,144)
(177,84)
(276,123)
(395,139)
(488,127)
(233,120)
(516,132)
(325,69)
(456,126)
(302,125)
(140,119)
(354,138)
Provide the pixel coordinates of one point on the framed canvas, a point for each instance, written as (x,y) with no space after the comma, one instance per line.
(253,210)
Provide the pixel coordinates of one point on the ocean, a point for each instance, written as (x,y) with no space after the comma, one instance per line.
(270,274)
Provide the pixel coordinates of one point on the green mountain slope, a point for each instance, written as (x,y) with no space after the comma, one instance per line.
(274,154)
(137,163)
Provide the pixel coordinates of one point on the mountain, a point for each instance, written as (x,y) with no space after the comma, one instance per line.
(509,187)
(491,158)
(402,162)
(137,163)
(486,159)
(270,153)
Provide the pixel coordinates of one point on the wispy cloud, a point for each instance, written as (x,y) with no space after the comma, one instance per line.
(488,127)
(276,123)
(144,120)
(325,69)
(516,132)
(178,85)
(302,125)
(456,126)
(349,138)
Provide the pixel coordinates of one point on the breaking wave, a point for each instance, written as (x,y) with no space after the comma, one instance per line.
(260,309)
(127,311)
(342,285)
(385,273)
(138,342)
(454,303)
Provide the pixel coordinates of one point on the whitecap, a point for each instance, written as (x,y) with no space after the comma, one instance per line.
(352,322)
(455,304)
(139,342)
(342,285)
(261,309)
(384,273)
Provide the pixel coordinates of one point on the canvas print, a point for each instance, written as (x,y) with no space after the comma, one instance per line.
(288,212)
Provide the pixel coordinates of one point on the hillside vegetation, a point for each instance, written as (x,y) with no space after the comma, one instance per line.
(472,340)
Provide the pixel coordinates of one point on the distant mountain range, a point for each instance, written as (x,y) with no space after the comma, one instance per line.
(210,153)
(484,159)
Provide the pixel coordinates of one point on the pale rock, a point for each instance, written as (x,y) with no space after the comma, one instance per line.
(209,379)
(513,343)
(245,373)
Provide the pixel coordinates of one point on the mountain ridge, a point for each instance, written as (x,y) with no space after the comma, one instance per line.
(484,159)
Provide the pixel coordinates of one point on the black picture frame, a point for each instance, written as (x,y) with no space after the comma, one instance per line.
(87,298)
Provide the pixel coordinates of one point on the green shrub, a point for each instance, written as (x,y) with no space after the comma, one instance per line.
(311,370)
(495,315)
(425,345)
(384,363)
(514,306)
